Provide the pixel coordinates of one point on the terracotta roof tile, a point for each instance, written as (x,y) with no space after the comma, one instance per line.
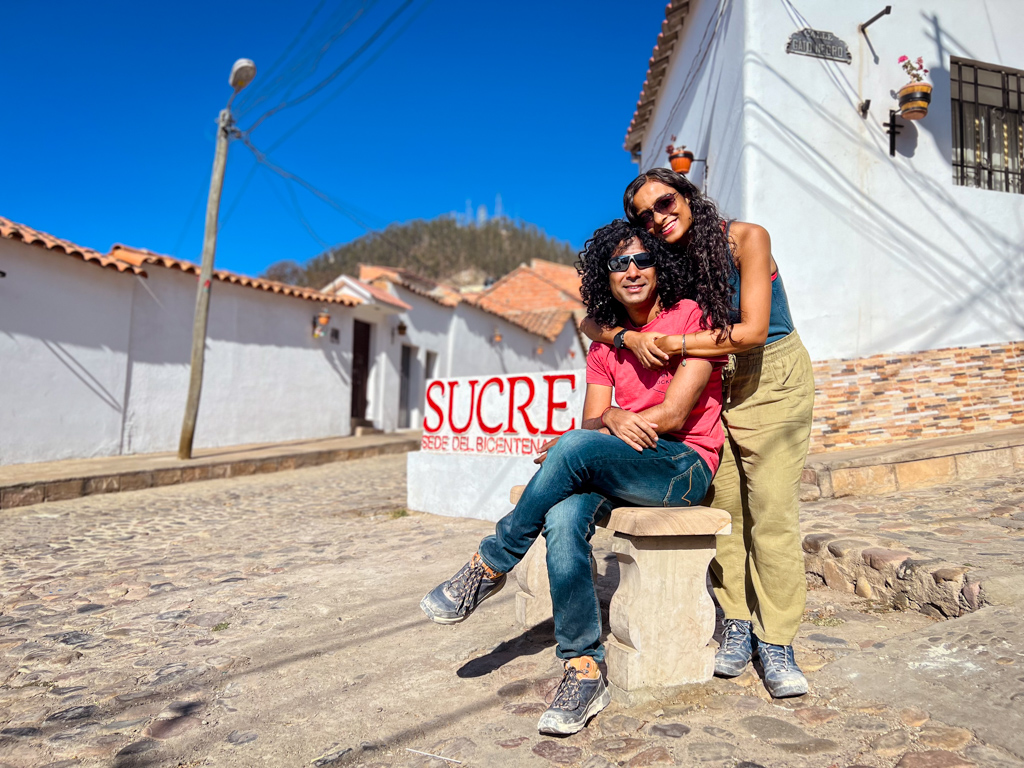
(14,231)
(564,276)
(139,256)
(379,293)
(657,67)
(443,294)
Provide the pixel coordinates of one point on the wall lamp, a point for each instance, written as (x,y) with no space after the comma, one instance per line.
(496,336)
(2,273)
(402,328)
(320,321)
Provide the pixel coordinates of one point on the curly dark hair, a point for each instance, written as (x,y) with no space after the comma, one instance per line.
(706,257)
(592,265)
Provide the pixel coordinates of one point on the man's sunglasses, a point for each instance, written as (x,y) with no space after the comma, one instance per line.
(621,263)
(664,205)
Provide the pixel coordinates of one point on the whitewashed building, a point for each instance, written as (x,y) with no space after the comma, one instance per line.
(903,256)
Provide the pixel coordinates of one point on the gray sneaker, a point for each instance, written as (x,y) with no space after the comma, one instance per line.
(782,677)
(736,650)
(577,700)
(452,601)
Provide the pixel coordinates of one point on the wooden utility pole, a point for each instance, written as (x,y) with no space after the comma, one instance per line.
(225,126)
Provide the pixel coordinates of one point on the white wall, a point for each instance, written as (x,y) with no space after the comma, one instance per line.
(700,102)
(265,377)
(63,354)
(879,254)
(96,363)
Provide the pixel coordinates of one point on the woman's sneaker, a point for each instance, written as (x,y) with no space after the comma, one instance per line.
(782,677)
(452,601)
(736,650)
(580,696)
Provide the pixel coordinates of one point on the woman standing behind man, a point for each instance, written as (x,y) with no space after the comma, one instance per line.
(758,572)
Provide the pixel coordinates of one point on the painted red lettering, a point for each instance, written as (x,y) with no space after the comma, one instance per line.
(435,407)
(512,408)
(480,405)
(559,406)
(451,402)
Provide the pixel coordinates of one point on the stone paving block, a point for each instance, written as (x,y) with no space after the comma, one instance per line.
(863,481)
(63,490)
(843,547)
(104,484)
(934,759)
(813,542)
(835,578)
(21,497)
(879,557)
(135,481)
(970,466)
(920,474)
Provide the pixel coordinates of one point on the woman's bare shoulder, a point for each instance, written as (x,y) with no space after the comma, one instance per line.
(745,231)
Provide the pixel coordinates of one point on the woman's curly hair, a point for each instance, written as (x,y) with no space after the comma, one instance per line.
(592,265)
(706,258)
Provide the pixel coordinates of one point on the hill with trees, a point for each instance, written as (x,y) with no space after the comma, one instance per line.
(444,249)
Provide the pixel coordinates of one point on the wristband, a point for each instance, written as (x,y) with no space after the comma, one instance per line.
(603,413)
(620,339)
(684,350)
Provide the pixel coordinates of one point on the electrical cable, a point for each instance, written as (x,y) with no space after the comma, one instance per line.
(294,207)
(337,71)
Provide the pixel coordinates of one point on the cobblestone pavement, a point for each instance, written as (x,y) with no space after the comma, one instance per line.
(273,620)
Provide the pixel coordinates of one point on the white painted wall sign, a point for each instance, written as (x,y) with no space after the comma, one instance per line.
(481,434)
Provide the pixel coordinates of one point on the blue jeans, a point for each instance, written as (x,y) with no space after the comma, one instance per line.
(586,475)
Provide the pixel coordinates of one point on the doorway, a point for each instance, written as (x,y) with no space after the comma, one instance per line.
(360,372)
(405,387)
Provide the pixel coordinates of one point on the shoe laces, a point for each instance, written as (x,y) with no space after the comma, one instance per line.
(773,655)
(466,583)
(735,636)
(568,694)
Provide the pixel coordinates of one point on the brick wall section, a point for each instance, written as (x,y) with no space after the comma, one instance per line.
(937,393)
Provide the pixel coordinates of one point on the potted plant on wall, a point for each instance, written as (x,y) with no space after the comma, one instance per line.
(916,95)
(679,158)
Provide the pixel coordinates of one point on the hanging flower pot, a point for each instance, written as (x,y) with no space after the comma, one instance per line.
(914,100)
(916,95)
(680,158)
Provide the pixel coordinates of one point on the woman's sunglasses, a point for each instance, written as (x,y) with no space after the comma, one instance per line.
(621,263)
(664,205)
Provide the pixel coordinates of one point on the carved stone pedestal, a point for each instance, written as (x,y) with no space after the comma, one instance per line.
(662,617)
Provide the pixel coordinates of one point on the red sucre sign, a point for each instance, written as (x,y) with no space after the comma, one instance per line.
(501,415)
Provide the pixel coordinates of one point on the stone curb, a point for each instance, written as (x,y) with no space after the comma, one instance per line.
(924,463)
(24,494)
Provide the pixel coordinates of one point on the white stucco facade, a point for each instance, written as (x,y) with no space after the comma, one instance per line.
(879,254)
(95,362)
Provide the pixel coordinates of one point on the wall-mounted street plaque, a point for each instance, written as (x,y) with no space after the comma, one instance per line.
(823,45)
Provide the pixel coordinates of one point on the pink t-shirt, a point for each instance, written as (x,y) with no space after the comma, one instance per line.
(637,389)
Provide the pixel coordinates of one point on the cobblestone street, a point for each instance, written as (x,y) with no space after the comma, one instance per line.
(273,620)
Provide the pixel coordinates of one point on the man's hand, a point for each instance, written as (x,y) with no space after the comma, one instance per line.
(645,348)
(633,429)
(539,459)
(669,345)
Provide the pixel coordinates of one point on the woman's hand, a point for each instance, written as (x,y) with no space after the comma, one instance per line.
(669,345)
(633,429)
(645,348)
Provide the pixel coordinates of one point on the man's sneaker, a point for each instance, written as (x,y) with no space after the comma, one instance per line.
(452,601)
(580,696)
(782,677)
(735,652)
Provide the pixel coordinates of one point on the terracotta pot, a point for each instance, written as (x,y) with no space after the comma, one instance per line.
(681,161)
(914,100)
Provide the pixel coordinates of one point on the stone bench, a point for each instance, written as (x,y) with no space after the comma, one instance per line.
(661,615)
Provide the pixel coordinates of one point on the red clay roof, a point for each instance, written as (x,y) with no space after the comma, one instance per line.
(13,231)
(139,256)
(443,294)
(564,276)
(381,295)
(657,67)
(528,299)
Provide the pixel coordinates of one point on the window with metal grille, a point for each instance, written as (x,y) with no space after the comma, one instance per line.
(988,130)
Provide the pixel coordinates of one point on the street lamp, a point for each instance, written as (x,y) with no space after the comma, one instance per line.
(242,73)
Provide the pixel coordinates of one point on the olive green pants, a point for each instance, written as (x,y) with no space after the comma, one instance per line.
(758,571)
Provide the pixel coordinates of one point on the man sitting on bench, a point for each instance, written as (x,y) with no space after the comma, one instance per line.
(659,447)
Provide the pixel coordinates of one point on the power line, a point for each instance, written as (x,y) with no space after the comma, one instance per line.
(294,209)
(337,71)
(337,92)
(343,209)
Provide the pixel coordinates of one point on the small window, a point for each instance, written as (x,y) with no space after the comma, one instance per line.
(335,336)
(988,130)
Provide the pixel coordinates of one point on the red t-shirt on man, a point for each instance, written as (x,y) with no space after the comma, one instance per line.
(636,388)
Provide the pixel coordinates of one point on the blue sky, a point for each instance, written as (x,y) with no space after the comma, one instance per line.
(108,128)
